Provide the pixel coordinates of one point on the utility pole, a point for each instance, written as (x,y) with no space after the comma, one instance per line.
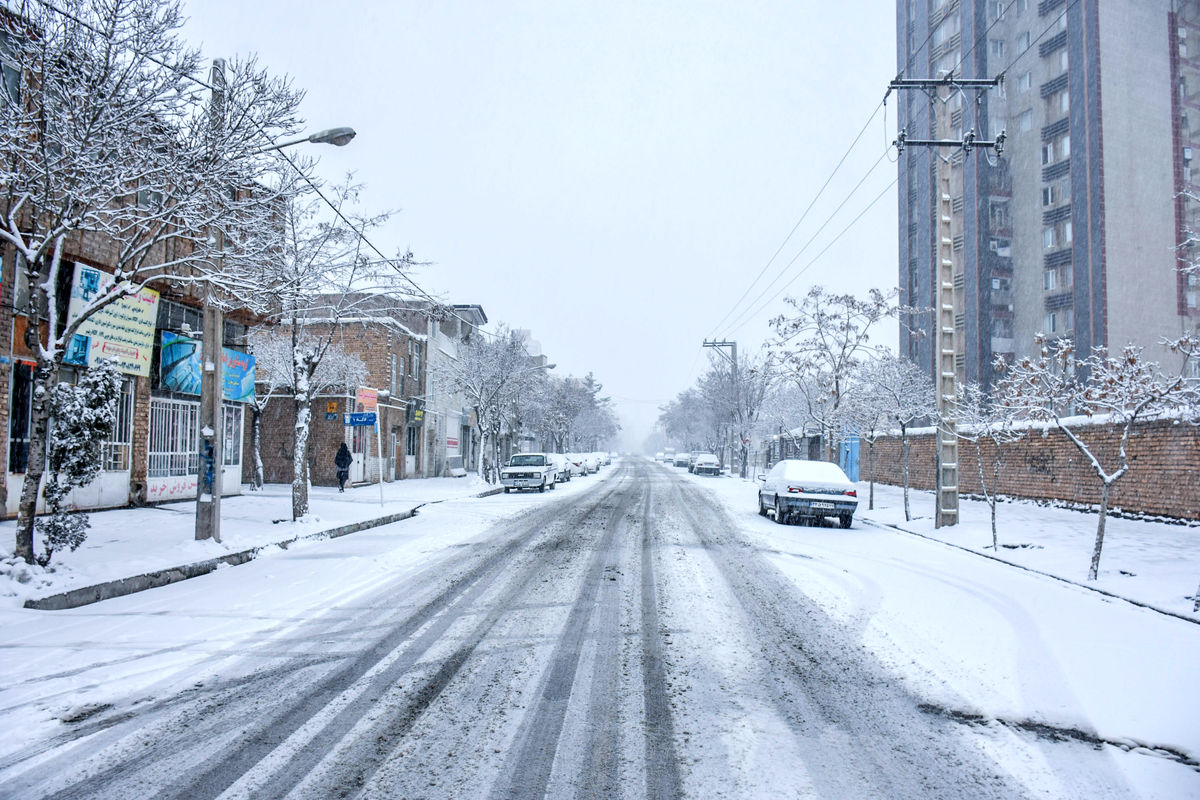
(732,358)
(948,305)
(212,459)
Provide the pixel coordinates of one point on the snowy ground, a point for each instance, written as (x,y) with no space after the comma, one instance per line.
(126,542)
(1018,650)
(1016,658)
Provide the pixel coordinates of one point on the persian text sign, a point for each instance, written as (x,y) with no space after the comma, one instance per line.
(123,329)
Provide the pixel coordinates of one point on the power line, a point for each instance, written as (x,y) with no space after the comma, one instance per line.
(735,324)
(803,216)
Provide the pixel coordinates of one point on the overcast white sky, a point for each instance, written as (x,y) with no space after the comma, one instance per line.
(611,175)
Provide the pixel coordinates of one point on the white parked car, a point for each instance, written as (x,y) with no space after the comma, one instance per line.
(528,471)
(562,467)
(706,464)
(593,461)
(806,491)
(578,464)
(681,460)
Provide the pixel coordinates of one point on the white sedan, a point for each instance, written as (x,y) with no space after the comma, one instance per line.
(804,491)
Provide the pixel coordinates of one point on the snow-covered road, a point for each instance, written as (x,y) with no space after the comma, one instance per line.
(647,635)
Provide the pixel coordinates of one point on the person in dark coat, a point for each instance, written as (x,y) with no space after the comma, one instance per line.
(343,460)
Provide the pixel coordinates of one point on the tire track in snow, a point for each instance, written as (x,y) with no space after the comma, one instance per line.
(537,740)
(867,736)
(154,751)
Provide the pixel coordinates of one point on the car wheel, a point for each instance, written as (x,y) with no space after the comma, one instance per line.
(542,488)
(554,484)
(507,490)
(781,516)
(762,507)
(846,520)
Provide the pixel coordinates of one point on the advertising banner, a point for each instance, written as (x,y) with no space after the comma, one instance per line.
(179,368)
(123,329)
(366,399)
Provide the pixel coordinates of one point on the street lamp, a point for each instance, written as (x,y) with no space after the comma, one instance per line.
(338,137)
(212,459)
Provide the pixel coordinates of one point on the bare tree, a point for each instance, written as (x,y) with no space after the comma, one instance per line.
(979,418)
(106,138)
(490,370)
(275,370)
(905,397)
(320,282)
(866,417)
(821,342)
(1071,393)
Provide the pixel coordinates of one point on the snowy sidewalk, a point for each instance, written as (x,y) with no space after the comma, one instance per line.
(128,542)
(1152,563)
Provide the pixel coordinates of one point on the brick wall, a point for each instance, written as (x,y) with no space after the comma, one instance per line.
(1163,477)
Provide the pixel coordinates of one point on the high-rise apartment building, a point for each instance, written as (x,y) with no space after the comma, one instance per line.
(1078,229)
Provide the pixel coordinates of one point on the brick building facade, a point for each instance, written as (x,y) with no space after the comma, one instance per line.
(395,358)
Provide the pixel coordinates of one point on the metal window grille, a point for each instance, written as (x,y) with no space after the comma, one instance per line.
(115,453)
(232,430)
(174,438)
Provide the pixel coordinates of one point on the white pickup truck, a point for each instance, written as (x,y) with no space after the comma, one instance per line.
(528,471)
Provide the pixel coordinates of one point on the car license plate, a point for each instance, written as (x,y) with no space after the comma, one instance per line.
(823,505)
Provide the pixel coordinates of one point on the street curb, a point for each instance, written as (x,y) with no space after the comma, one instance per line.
(1059,578)
(85,595)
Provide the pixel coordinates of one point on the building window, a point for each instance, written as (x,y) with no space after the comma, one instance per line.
(1025,121)
(20,410)
(1063,60)
(1050,280)
(396,374)
(231,446)
(1067,239)
(1023,42)
(1047,153)
(174,438)
(412,435)
(1064,146)
(996,47)
(116,451)
(414,359)
(1048,195)
(1022,5)
(1050,323)
(1025,82)
(1049,238)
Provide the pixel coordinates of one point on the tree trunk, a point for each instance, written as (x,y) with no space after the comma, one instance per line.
(871,475)
(1094,570)
(300,457)
(256,477)
(995,491)
(904,445)
(45,376)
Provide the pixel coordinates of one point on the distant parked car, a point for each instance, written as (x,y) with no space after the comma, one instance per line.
(805,491)
(578,464)
(681,459)
(593,461)
(706,464)
(562,467)
(528,471)
(658,456)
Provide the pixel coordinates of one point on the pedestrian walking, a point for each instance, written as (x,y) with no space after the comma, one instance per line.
(343,460)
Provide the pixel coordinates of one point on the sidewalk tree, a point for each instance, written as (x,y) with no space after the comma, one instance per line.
(100,142)
(320,285)
(82,419)
(905,397)
(980,418)
(490,372)
(1075,395)
(867,418)
(821,341)
(338,370)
